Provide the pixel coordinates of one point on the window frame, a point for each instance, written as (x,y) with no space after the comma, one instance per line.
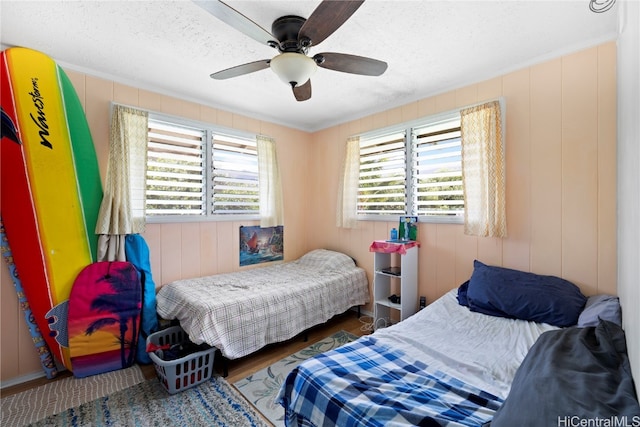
(209,130)
(407,128)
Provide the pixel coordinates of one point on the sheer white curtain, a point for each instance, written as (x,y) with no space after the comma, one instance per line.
(123,206)
(271,206)
(346,208)
(483,170)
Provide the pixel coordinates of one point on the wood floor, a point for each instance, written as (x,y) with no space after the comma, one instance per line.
(241,368)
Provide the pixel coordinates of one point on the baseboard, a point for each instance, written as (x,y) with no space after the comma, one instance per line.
(29,377)
(21,379)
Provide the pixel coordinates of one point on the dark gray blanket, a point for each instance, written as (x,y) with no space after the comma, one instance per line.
(570,375)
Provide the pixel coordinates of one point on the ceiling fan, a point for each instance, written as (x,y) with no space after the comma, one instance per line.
(292,36)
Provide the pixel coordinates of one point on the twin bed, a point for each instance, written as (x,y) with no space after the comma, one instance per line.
(454,364)
(506,348)
(444,364)
(241,312)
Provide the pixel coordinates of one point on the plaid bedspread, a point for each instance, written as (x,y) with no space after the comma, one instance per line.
(365,384)
(241,312)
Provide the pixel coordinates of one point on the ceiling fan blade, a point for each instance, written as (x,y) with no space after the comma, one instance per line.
(302,93)
(240,70)
(237,20)
(350,63)
(327,18)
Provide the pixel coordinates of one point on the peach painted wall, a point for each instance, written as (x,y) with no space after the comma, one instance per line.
(561,178)
(561,189)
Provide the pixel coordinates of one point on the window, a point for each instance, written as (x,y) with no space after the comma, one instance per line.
(437,170)
(414,169)
(175,176)
(200,171)
(235,175)
(382,188)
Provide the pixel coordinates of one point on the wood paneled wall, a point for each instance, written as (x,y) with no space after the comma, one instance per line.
(561,186)
(561,178)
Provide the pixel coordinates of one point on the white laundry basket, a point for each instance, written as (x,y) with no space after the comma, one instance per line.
(188,371)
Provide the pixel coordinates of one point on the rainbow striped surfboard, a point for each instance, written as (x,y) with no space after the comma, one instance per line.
(50,186)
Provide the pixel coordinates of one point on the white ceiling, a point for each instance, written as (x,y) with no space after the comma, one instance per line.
(171,47)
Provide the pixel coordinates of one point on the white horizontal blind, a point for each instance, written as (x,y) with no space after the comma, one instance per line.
(235,175)
(175,178)
(437,169)
(382,178)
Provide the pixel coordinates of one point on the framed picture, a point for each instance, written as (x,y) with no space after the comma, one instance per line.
(258,245)
(408,228)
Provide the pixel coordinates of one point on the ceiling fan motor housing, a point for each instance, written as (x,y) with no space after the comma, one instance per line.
(286,30)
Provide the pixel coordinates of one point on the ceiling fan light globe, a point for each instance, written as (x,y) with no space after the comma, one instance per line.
(293,68)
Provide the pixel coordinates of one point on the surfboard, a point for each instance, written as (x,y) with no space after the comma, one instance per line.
(51,188)
(46,359)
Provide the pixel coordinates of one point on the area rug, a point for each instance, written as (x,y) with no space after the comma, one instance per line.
(212,403)
(262,387)
(59,395)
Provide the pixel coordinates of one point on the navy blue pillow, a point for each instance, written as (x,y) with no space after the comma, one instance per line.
(504,292)
(462,294)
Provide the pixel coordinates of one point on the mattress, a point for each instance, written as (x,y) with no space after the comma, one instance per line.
(241,312)
(481,350)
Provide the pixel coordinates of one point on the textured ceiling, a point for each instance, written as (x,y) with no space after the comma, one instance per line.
(171,47)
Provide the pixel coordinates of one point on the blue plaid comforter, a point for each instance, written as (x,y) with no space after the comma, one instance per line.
(364,384)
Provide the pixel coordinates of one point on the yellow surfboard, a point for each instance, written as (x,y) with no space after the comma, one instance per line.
(64,196)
